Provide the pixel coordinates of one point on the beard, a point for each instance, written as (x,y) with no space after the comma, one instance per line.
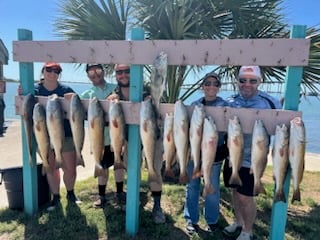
(120,84)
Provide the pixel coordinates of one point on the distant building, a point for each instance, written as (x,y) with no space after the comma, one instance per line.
(4,57)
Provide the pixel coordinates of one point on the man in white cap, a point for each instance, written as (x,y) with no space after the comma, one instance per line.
(249,79)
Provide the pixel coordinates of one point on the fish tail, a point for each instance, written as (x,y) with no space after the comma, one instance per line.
(280,196)
(118,163)
(235,179)
(153,176)
(258,188)
(208,189)
(46,169)
(169,173)
(183,178)
(296,195)
(98,170)
(80,161)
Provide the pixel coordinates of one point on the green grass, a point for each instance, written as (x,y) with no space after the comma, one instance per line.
(85,222)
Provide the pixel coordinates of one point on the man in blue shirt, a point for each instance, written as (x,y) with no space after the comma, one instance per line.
(249,79)
(102,90)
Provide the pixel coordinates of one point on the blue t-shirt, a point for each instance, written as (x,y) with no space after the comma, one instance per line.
(61,89)
(261,100)
(102,94)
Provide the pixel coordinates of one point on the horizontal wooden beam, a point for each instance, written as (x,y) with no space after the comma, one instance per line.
(271,117)
(263,52)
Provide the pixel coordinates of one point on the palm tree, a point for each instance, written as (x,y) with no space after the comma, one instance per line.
(92,20)
(187,19)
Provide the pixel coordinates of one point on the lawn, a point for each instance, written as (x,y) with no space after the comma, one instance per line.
(85,222)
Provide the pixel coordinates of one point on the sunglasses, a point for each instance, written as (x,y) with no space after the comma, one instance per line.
(55,70)
(126,71)
(251,80)
(209,83)
(93,72)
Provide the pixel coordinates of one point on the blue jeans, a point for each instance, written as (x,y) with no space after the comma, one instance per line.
(211,203)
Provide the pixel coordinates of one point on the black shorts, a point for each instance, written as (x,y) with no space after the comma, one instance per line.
(245,176)
(108,158)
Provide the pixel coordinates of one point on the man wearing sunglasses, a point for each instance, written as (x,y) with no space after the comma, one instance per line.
(122,72)
(249,79)
(101,89)
(210,85)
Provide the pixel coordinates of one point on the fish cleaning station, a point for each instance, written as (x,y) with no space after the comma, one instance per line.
(292,53)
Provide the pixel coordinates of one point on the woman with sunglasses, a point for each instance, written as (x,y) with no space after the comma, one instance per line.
(210,85)
(249,79)
(47,86)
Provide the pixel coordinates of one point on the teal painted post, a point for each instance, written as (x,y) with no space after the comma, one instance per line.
(134,147)
(30,183)
(291,96)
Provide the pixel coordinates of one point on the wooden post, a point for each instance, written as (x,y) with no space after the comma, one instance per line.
(30,183)
(292,95)
(134,147)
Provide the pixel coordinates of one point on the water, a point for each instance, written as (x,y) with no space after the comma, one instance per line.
(308,105)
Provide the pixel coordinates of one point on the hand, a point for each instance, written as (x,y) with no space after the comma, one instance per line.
(68,96)
(113,96)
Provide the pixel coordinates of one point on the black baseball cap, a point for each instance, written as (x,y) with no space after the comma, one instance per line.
(88,66)
(211,74)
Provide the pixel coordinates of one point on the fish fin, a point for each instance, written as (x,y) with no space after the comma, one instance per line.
(236,141)
(199,132)
(37,127)
(281,151)
(115,123)
(169,138)
(92,124)
(145,126)
(296,196)
(235,180)
(251,171)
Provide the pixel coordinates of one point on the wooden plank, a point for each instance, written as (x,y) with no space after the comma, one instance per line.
(263,52)
(247,116)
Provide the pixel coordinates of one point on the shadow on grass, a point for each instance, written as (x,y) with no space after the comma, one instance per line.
(47,225)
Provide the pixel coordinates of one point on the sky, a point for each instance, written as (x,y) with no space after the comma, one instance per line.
(38,16)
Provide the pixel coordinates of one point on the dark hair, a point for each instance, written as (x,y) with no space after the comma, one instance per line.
(88,66)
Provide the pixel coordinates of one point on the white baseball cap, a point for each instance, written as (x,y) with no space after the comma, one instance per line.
(250,71)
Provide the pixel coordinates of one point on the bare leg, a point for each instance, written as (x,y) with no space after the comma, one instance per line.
(103,180)
(247,211)
(53,176)
(69,169)
(119,175)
